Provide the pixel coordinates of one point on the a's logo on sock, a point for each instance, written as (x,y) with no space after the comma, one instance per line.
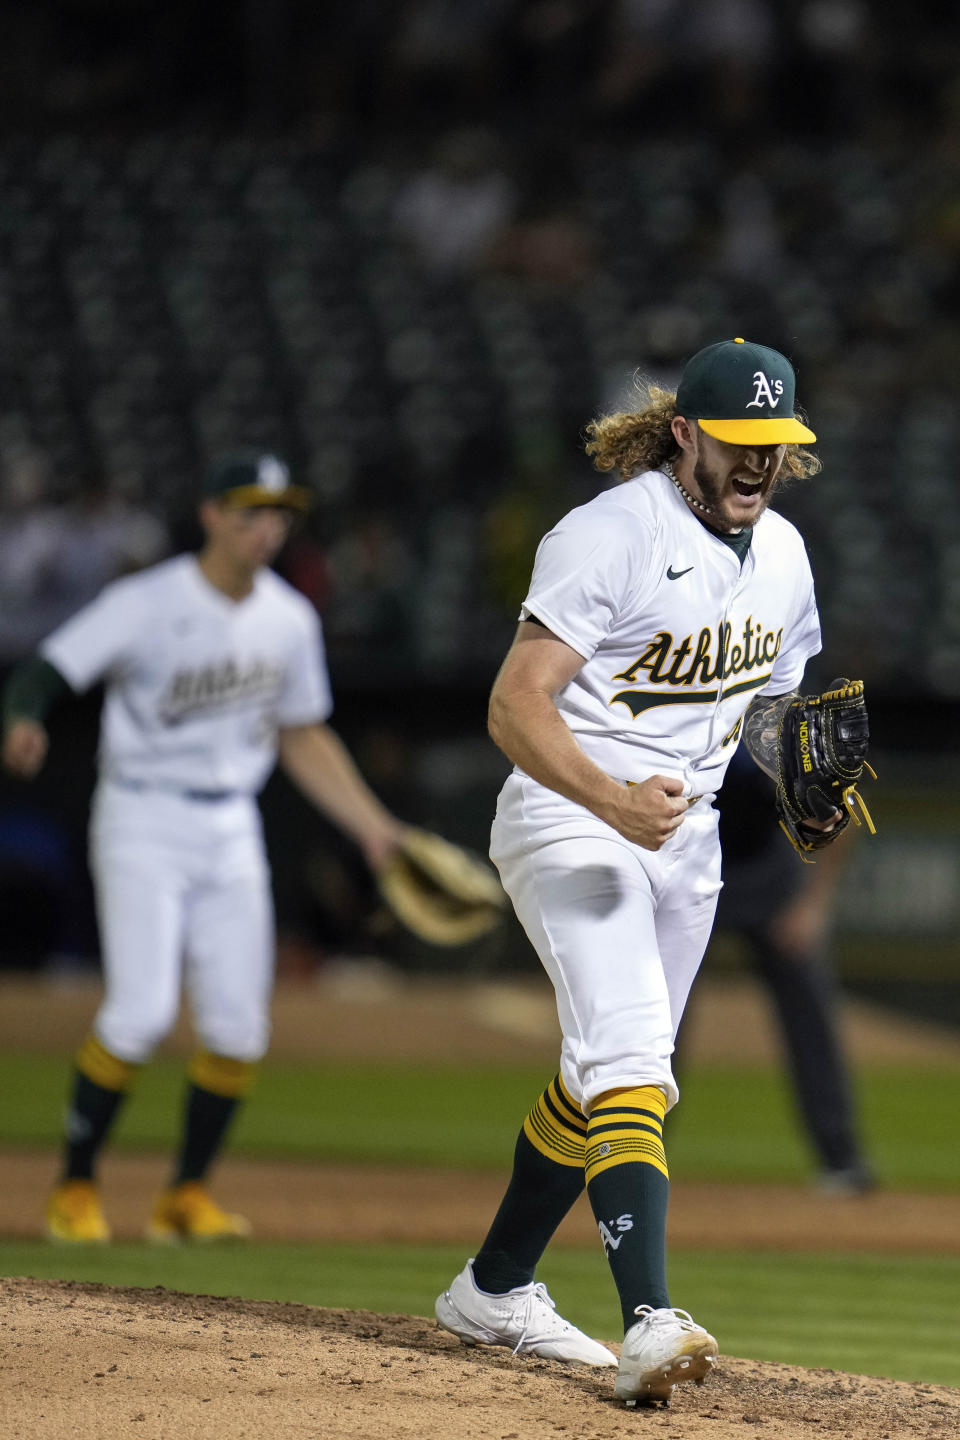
(622,1224)
(603,1149)
(77,1127)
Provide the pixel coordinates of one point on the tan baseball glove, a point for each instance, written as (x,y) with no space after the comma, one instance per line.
(441,893)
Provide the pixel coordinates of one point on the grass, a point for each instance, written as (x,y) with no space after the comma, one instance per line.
(892,1316)
(733,1124)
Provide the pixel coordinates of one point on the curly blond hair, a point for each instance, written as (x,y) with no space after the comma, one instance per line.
(632,441)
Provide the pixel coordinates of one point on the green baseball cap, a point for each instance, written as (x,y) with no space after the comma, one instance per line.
(741,393)
(254,477)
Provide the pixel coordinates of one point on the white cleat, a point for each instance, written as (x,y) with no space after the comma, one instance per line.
(663,1348)
(524,1319)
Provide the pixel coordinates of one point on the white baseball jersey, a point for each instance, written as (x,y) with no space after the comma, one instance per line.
(197,684)
(677,637)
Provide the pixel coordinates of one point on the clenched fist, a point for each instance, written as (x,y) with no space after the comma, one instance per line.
(647,814)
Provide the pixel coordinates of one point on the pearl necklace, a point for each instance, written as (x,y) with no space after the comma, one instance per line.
(697,504)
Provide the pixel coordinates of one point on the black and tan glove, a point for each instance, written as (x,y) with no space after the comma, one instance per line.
(440,892)
(823,744)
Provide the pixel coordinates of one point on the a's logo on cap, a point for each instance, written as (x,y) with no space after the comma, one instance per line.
(765,393)
(272,474)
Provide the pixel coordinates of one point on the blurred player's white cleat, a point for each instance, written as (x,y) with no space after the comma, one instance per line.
(188,1213)
(663,1348)
(74,1216)
(524,1319)
(851,1180)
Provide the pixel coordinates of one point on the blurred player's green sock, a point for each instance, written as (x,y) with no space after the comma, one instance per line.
(207,1117)
(547,1178)
(91,1113)
(217,1085)
(100,1085)
(628,1185)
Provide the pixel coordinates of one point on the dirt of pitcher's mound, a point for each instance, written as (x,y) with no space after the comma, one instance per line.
(90,1362)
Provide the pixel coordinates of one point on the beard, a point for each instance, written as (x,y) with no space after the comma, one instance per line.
(712,492)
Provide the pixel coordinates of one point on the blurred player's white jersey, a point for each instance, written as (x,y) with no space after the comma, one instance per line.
(634,583)
(197,684)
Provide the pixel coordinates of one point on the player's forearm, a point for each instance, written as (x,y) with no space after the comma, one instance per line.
(530,731)
(320,765)
(761,728)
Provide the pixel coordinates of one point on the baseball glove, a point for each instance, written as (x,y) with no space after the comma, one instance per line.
(823,742)
(443,894)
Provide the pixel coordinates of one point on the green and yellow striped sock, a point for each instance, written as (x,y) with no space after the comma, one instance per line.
(628,1185)
(100,1084)
(547,1178)
(216,1087)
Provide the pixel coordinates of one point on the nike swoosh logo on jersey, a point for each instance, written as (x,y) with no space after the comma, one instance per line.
(675,574)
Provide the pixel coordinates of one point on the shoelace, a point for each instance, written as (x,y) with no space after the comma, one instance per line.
(661,1317)
(539,1292)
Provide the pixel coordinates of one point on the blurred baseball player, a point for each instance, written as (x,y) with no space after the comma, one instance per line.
(214,667)
(664,618)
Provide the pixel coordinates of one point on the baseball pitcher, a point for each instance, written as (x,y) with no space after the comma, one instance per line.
(666,619)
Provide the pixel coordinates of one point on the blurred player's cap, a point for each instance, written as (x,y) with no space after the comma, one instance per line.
(251,477)
(741,393)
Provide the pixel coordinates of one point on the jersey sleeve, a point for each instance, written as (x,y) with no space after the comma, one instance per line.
(584,569)
(801,639)
(99,640)
(307,698)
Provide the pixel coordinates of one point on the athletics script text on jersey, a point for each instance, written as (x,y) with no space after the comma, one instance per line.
(219,686)
(712,657)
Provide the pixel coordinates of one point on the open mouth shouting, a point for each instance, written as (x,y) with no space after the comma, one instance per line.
(736,498)
(728,486)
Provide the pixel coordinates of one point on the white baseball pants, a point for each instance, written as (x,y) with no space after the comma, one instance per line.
(620,930)
(183,899)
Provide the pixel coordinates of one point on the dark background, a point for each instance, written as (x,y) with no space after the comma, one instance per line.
(414,247)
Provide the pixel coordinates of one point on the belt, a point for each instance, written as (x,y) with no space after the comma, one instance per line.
(205,796)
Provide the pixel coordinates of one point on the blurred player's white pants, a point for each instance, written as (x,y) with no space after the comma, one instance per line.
(183,896)
(620,930)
